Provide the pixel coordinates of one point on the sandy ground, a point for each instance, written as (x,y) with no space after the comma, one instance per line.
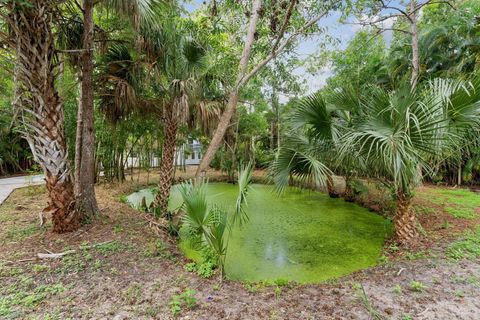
(120,270)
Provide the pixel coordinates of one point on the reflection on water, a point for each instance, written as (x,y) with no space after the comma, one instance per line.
(302,236)
(135,199)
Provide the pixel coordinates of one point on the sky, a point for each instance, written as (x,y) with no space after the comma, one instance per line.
(342,32)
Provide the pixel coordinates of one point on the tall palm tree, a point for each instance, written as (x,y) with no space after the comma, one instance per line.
(167,77)
(179,64)
(33,41)
(80,34)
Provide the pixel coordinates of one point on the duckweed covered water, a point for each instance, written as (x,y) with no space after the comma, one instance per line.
(303,236)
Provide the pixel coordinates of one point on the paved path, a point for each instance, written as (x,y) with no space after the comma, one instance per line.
(7,185)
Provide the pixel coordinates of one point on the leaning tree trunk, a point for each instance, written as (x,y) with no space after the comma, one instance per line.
(86,201)
(167,166)
(405,220)
(43,109)
(227,115)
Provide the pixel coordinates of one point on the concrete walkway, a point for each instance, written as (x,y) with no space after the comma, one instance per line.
(7,185)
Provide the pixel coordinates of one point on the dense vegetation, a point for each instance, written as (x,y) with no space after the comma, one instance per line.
(86,89)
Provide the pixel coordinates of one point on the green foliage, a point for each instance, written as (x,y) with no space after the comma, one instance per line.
(18,232)
(157,248)
(185,299)
(244,181)
(397,289)
(203,227)
(460,203)
(466,248)
(110,247)
(417,286)
(26,296)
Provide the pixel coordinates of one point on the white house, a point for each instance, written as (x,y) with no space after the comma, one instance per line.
(189,154)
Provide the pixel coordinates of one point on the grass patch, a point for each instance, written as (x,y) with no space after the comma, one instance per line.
(33,190)
(21,296)
(423,210)
(110,247)
(461,212)
(468,247)
(460,203)
(19,233)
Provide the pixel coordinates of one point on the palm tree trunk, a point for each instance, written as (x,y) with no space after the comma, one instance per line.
(86,201)
(43,109)
(167,166)
(405,220)
(349,195)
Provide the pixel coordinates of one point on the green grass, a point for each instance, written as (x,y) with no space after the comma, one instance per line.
(19,233)
(303,236)
(460,203)
(466,248)
(24,295)
(111,247)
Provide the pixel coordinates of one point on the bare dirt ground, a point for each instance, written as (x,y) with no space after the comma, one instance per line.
(117,269)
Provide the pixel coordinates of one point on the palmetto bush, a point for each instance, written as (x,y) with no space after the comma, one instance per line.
(394,136)
(203,226)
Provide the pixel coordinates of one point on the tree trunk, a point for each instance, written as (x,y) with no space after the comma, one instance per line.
(415,51)
(85,198)
(233,98)
(167,166)
(35,54)
(349,194)
(405,221)
(78,143)
(331,187)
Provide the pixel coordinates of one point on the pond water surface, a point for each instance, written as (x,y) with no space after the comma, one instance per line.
(304,236)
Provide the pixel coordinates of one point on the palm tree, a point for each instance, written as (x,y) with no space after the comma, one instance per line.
(79,35)
(393,136)
(33,42)
(310,148)
(179,64)
(402,134)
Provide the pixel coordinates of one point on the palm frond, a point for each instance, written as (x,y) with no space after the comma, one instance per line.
(244,180)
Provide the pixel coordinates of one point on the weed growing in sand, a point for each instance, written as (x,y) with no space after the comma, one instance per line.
(185,299)
(374,313)
(133,293)
(397,289)
(417,286)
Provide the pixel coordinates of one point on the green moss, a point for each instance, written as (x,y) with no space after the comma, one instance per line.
(302,236)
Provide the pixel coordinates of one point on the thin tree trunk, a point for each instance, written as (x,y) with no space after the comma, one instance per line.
(35,54)
(415,51)
(167,166)
(233,98)
(405,221)
(85,198)
(78,143)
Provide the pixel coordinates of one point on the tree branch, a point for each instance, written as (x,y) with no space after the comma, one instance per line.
(273,54)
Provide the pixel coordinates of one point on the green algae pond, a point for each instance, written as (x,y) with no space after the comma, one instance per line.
(302,236)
